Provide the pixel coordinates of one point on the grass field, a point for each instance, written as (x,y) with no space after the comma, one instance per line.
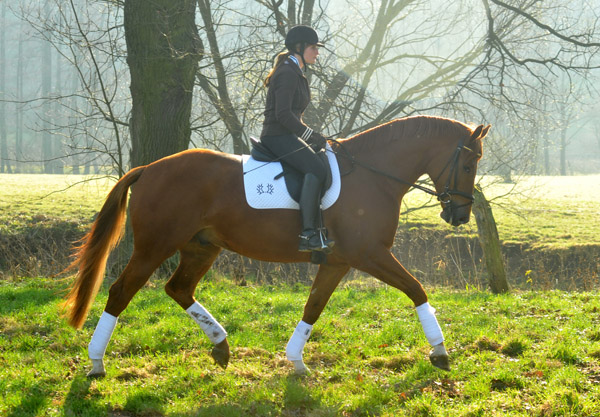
(547,212)
(524,354)
(27,199)
(540,211)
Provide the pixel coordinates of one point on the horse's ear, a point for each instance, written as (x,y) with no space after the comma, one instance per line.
(476,133)
(480,132)
(484,132)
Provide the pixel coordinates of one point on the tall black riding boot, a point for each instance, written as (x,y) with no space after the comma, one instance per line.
(312,238)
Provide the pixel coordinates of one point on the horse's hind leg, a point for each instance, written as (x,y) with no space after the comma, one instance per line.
(133,277)
(196,260)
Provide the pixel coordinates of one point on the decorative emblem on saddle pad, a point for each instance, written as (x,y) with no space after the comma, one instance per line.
(263,191)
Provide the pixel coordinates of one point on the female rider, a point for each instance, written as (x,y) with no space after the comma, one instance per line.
(289,138)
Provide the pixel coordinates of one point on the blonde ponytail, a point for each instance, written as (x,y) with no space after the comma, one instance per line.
(278,61)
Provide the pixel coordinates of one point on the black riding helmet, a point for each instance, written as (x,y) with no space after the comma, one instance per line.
(302,34)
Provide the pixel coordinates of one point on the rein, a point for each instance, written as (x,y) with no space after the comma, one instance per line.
(444,197)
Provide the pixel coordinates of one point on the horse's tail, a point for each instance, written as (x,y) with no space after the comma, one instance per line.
(91,255)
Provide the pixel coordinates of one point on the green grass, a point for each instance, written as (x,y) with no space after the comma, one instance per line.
(525,354)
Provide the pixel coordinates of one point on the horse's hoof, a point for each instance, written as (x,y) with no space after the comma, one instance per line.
(98,370)
(302,372)
(300,369)
(93,375)
(220,354)
(440,361)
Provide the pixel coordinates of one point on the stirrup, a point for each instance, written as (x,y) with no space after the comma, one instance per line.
(314,240)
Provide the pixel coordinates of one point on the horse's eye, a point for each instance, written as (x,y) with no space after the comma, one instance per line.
(467,169)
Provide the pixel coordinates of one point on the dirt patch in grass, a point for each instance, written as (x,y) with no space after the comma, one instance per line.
(244,352)
(394,363)
(10,326)
(132,373)
(485,344)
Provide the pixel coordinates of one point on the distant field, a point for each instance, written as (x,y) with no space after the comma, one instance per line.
(31,198)
(525,354)
(540,211)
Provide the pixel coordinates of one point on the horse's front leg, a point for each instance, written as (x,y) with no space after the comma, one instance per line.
(384,266)
(327,279)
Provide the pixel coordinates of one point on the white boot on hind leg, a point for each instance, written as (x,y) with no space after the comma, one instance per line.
(211,327)
(97,347)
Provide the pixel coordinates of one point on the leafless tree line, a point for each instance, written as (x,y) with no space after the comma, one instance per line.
(526,66)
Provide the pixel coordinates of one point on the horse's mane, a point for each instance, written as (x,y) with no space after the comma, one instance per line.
(408,128)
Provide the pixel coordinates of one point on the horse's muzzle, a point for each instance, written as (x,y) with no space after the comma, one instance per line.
(456,215)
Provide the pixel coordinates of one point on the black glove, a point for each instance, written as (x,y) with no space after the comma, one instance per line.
(317,141)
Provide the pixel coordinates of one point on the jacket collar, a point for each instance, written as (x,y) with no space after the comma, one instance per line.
(295,67)
(294,59)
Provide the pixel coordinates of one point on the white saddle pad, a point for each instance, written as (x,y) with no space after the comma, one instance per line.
(263,191)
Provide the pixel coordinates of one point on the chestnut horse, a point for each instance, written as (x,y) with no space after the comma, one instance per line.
(194,202)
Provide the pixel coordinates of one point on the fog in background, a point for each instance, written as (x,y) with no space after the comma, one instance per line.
(64,79)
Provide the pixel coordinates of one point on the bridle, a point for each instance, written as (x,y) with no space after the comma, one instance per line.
(445,197)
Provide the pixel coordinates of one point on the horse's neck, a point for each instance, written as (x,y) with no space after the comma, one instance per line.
(403,158)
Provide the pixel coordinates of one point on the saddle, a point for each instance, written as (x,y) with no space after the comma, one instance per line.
(293,178)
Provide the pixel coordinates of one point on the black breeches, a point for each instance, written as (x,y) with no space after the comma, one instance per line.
(295,152)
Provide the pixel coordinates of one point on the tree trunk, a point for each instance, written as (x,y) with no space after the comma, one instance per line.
(19,108)
(162,54)
(546,153)
(563,151)
(47,153)
(307,12)
(490,242)
(4,162)
(73,134)
(58,165)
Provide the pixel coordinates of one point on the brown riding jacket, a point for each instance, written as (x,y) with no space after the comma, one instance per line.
(287,98)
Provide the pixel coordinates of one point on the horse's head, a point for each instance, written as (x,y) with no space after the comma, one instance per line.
(454,176)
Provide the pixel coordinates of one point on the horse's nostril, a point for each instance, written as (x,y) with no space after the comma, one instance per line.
(445,215)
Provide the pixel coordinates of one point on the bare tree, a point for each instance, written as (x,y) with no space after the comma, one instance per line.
(47,139)
(217,90)
(4,162)
(163,49)
(85,122)
(385,59)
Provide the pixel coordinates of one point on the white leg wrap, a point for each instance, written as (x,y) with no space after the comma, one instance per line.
(101,337)
(432,329)
(215,332)
(295,346)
